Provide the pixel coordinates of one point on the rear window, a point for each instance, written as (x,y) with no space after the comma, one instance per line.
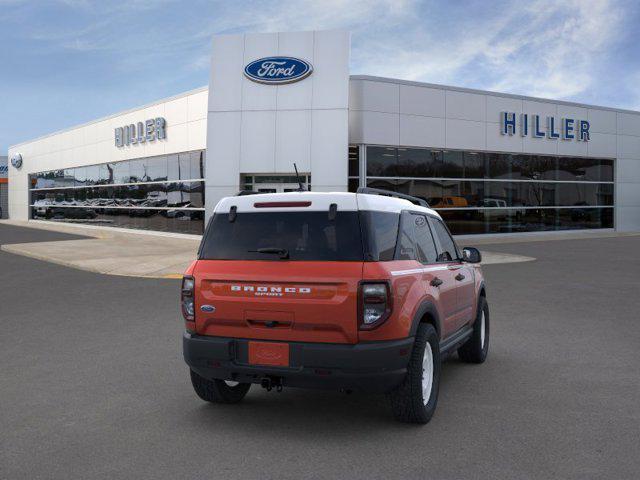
(305,236)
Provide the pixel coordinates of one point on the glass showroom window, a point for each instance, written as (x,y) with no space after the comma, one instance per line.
(354,167)
(477,192)
(155,193)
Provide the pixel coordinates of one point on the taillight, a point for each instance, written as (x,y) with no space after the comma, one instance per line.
(375,304)
(186,298)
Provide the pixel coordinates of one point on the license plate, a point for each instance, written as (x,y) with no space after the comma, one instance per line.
(268,353)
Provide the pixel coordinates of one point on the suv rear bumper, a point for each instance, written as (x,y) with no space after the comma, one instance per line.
(368,367)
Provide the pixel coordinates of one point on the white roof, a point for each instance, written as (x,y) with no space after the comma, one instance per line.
(319,201)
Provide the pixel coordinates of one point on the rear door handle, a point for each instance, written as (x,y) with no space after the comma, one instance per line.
(459,277)
(436,282)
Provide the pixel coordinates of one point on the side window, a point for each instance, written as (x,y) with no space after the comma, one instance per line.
(406,241)
(424,241)
(380,233)
(447,251)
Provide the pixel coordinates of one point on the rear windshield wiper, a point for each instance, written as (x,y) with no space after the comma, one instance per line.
(283,252)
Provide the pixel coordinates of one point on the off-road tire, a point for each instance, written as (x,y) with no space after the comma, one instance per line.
(475,350)
(217,391)
(407,400)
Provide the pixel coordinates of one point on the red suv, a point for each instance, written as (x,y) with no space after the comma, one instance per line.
(358,291)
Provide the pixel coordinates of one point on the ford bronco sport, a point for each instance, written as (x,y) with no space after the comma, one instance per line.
(358,291)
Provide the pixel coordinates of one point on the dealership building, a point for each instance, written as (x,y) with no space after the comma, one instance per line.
(4,187)
(488,162)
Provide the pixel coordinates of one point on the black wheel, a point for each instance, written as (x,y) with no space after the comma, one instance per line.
(414,401)
(476,348)
(218,391)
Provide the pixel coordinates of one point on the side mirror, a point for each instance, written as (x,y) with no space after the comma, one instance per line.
(471,255)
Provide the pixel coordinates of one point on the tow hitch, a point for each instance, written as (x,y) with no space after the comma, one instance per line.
(270,383)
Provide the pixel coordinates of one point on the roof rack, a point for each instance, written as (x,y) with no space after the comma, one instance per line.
(389,193)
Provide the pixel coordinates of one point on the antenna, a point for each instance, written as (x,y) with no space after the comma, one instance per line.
(301,187)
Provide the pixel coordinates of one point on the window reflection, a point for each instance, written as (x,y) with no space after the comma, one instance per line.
(157,169)
(181,221)
(138,171)
(92,175)
(510,220)
(354,161)
(120,193)
(422,162)
(442,193)
(479,192)
(425,189)
(414,162)
(121,172)
(452,164)
(381,161)
(197,165)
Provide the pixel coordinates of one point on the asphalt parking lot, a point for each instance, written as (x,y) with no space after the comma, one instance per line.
(93,384)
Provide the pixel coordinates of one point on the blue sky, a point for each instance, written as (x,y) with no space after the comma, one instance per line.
(65,62)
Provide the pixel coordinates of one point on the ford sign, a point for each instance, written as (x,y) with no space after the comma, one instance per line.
(16,160)
(278,70)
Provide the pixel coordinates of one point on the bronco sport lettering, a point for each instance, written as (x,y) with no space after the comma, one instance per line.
(268,290)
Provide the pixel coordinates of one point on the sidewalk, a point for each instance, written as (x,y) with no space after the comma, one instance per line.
(113,251)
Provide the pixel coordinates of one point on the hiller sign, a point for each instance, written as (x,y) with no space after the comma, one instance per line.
(147,131)
(531,125)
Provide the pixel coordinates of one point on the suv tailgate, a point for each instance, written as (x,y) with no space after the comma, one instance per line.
(278,300)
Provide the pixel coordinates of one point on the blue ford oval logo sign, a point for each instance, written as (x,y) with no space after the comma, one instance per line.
(278,70)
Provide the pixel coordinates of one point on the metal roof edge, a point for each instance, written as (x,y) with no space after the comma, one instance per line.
(488,92)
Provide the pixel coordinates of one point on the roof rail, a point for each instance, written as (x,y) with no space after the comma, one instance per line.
(389,193)
(242,193)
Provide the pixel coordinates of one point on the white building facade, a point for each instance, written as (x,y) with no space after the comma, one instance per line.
(489,162)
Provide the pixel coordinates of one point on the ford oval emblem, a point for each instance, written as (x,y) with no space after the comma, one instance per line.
(208,308)
(16,160)
(278,70)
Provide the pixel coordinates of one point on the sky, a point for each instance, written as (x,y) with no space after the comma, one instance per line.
(66,62)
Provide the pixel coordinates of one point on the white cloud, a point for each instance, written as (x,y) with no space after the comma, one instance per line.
(542,47)
(558,48)
(546,49)
(631,85)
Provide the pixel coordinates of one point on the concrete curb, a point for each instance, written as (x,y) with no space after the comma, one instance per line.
(96,231)
(494,258)
(110,251)
(16,249)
